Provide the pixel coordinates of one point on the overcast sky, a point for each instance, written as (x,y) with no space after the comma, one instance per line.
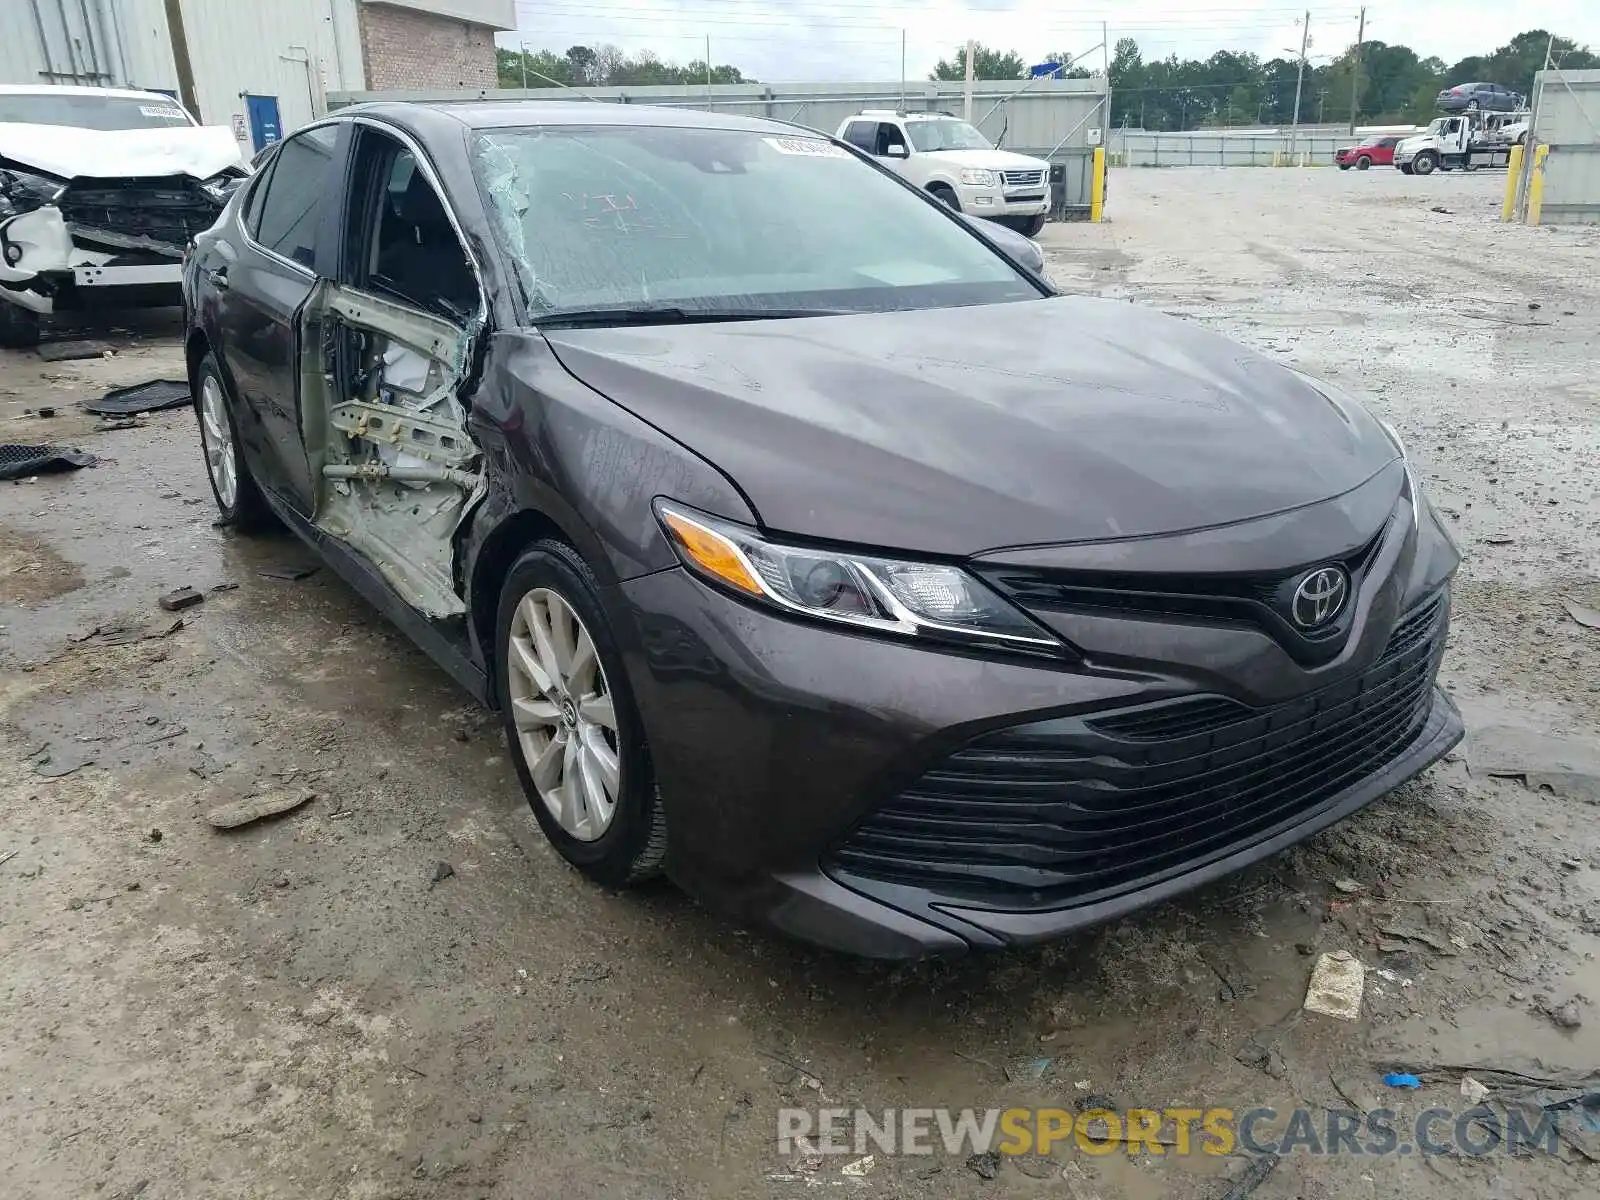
(779,40)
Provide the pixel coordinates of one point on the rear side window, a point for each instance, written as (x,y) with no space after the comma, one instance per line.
(286,207)
(860,134)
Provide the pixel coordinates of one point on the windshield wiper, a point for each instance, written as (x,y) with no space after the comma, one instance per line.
(590,318)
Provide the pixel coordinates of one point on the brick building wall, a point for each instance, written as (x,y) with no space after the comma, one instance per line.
(403,49)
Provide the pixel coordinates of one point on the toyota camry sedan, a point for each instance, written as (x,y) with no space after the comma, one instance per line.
(812,549)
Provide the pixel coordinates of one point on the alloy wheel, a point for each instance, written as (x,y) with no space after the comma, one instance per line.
(564,714)
(216,437)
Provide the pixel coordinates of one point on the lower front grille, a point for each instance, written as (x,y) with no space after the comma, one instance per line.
(1079,809)
(166,212)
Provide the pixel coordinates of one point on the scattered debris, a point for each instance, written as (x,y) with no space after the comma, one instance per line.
(1261,1166)
(122,635)
(860,1168)
(1563,1016)
(179,599)
(1262,1058)
(1393,977)
(224,587)
(69,349)
(1337,982)
(290,574)
(1562,766)
(19,461)
(113,426)
(254,808)
(442,872)
(154,835)
(8,856)
(985,1166)
(1498,539)
(1587,617)
(61,763)
(1431,940)
(47,412)
(1535,305)
(1349,886)
(1401,1079)
(153,396)
(1439,208)
(1474,1091)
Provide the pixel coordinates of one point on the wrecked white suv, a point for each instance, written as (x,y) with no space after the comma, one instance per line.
(100,191)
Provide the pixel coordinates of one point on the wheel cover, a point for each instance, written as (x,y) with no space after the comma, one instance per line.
(216,438)
(565,718)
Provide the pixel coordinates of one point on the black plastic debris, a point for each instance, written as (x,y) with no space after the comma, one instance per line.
(291,573)
(140,398)
(62,351)
(19,462)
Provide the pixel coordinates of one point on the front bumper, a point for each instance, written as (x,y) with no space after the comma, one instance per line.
(45,267)
(1005,202)
(787,752)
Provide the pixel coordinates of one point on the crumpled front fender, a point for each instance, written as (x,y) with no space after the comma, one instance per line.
(42,238)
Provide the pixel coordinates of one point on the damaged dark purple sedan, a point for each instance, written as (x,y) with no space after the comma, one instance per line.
(814,551)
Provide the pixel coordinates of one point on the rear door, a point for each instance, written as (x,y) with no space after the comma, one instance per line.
(290,228)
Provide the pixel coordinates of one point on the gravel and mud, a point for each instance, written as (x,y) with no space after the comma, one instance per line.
(313,1006)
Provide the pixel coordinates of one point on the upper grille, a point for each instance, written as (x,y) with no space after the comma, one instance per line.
(1022,178)
(1074,810)
(165,212)
(1262,600)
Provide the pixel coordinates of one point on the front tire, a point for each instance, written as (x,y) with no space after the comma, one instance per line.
(946,194)
(571,723)
(1424,163)
(238,498)
(19,327)
(1363,163)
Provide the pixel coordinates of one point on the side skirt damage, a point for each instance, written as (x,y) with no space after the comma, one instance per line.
(386,433)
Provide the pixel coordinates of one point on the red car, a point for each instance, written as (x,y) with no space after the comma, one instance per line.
(1374,152)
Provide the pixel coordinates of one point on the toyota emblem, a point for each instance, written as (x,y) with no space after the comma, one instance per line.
(1320,597)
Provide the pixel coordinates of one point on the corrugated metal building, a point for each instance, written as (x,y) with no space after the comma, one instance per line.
(263,66)
(1567,129)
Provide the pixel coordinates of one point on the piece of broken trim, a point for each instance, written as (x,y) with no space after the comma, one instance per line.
(153,396)
(19,462)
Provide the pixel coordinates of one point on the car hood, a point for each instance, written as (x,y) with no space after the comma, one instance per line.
(954,431)
(68,152)
(988,160)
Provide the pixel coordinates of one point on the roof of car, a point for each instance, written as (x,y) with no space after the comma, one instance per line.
(63,89)
(422,115)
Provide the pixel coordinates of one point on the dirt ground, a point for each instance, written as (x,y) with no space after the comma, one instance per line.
(301,1008)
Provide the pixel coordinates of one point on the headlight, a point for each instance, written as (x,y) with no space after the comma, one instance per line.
(934,601)
(975,178)
(23,191)
(220,187)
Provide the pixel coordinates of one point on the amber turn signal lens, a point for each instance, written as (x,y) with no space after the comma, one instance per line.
(711,552)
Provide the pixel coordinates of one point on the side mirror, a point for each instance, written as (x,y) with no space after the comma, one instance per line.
(896,151)
(1024,250)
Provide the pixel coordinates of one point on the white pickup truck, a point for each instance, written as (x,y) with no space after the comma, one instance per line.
(1466,140)
(953,161)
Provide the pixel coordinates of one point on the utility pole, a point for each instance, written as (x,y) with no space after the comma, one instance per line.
(1355,71)
(902,70)
(523,47)
(1530,143)
(180,57)
(708,64)
(1299,82)
(966,103)
(1105,59)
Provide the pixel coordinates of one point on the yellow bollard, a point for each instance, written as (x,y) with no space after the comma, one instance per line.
(1097,185)
(1513,175)
(1536,184)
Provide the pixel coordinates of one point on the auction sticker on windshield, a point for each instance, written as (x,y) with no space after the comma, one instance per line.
(813,147)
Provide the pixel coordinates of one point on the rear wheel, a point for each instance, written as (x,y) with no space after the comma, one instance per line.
(1473,106)
(1425,162)
(570,720)
(944,192)
(1363,162)
(19,327)
(237,495)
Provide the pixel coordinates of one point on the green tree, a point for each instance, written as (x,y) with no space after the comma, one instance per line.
(986,64)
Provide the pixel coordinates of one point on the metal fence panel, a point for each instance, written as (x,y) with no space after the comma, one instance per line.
(1218,148)
(1037,117)
(1568,121)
